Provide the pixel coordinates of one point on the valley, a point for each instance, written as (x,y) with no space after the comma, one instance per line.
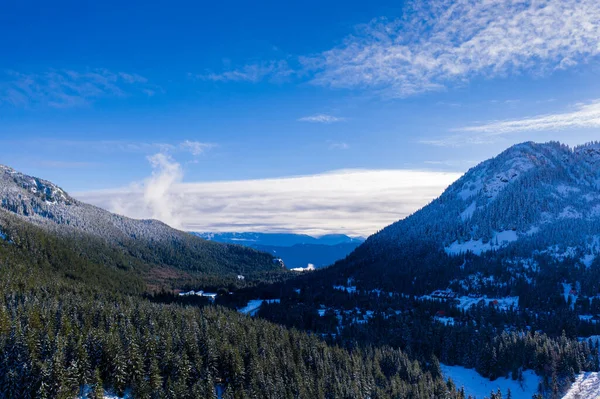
(514,305)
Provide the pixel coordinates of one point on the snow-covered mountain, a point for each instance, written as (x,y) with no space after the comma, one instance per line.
(44,204)
(530,199)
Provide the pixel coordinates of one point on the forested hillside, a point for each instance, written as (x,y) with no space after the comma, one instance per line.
(65,335)
(31,208)
(500,273)
(531,200)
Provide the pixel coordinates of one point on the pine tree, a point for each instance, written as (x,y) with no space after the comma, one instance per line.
(97,390)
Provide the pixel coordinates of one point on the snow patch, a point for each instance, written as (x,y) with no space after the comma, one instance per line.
(569,213)
(588,259)
(586,385)
(468,213)
(566,190)
(478,247)
(350,289)
(308,268)
(569,292)
(480,387)
(470,189)
(254,305)
(505,303)
(86,391)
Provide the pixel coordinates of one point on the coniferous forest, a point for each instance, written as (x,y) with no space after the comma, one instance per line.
(61,336)
(118,305)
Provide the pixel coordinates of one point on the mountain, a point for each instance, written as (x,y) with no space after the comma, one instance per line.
(296,250)
(279,239)
(77,320)
(532,201)
(143,244)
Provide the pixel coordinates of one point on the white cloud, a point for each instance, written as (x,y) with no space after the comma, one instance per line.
(338,145)
(449,42)
(321,118)
(195,147)
(346,201)
(68,88)
(268,70)
(582,116)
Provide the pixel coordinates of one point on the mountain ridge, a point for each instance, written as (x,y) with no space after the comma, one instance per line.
(296,250)
(151,242)
(530,199)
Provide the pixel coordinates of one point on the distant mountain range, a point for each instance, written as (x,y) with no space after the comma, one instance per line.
(296,250)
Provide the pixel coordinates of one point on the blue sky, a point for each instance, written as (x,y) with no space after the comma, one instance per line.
(92,92)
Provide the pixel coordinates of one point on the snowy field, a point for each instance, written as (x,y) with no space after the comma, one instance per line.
(254,304)
(480,387)
(499,240)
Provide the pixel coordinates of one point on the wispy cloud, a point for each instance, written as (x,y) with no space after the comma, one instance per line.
(143,147)
(196,147)
(67,164)
(580,116)
(452,163)
(315,204)
(583,116)
(459,140)
(321,118)
(338,145)
(274,71)
(447,42)
(68,88)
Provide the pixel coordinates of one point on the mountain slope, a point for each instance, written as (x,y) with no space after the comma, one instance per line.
(149,242)
(531,199)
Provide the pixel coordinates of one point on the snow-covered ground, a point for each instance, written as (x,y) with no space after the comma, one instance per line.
(87,390)
(586,386)
(567,292)
(478,247)
(480,387)
(465,302)
(501,303)
(350,289)
(254,304)
(310,267)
